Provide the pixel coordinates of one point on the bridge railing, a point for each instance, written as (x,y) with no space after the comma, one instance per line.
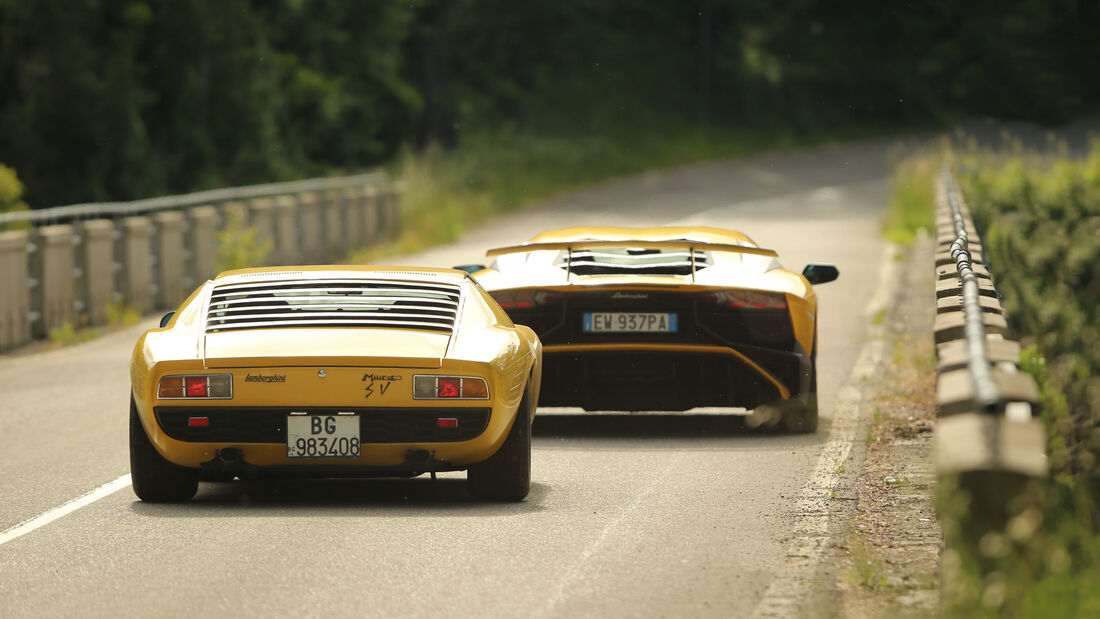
(987,432)
(76,262)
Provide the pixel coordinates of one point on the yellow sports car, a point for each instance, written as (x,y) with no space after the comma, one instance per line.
(665,319)
(334,371)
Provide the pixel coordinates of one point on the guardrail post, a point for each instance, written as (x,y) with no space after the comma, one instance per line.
(353,215)
(202,242)
(260,214)
(371,215)
(287,249)
(335,242)
(52,266)
(309,226)
(391,216)
(168,249)
(15,301)
(95,258)
(134,250)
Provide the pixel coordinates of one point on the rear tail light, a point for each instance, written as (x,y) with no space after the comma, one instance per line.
(216,386)
(430,387)
(747,299)
(525,299)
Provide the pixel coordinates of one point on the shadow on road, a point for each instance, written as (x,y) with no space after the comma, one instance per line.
(625,425)
(419,496)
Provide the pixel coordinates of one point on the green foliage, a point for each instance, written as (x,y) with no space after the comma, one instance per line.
(127,99)
(911,204)
(10,192)
(1041,223)
(1042,238)
(122,314)
(239,245)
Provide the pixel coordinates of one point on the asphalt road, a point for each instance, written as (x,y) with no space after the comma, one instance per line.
(654,515)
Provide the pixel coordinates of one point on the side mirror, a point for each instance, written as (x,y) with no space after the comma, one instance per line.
(165,318)
(820,273)
(470,268)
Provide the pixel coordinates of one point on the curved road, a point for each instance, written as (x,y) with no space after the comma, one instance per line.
(629,515)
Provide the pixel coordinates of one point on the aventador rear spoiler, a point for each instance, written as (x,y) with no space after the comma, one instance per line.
(690,246)
(595,244)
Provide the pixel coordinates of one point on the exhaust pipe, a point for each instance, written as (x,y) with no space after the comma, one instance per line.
(229,455)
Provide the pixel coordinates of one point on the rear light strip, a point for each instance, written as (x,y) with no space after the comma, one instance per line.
(525,299)
(196,386)
(747,299)
(434,387)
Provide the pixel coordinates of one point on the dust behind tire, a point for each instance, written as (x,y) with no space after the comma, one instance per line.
(506,475)
(155,479)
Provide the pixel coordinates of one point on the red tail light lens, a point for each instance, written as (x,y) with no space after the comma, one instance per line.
(525,299)
(747,299)
(195,386)
(448,387)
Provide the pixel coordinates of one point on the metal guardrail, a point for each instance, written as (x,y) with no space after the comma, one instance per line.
(986,427)
(987,394)
(98,210)
(79,263)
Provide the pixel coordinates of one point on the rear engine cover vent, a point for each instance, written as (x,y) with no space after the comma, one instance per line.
(333,303)
(631,261)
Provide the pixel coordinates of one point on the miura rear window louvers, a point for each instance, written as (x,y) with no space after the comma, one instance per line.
(333,303)
(633,261)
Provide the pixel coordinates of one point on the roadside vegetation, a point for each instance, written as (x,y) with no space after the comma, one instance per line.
(1040,222)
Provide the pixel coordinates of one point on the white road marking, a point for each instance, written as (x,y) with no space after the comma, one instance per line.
(811,526)
(573,573)
(61,511)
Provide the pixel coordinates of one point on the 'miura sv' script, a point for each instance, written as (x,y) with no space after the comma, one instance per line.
(377,383)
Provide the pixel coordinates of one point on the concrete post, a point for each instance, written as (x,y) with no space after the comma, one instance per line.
(15,302)
(309,226)
(233,212)
(202,242)
(135,252)
(168,249)
(353,216)
(392,209)
(371,215)
(335,238)
(260,214)
(52,266)
(95,257)
(287,246)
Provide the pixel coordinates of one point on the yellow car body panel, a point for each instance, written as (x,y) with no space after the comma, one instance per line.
(330,368)
(588,271)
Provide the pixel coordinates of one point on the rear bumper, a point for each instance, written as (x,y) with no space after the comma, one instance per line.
(252,440)
(668,377)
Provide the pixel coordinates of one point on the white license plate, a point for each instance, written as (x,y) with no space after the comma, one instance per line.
(322,436)
(629,322)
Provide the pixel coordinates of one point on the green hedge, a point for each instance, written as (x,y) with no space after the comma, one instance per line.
(1041,223)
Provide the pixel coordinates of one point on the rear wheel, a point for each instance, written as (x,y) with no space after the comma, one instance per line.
(800,414)
(155,479)
(506,475)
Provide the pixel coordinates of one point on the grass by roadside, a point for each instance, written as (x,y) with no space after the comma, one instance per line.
(910,208)
(445,192)
(894,540)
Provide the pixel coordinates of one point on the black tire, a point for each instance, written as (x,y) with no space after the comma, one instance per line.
(800,414)
(155,479)
(506,475)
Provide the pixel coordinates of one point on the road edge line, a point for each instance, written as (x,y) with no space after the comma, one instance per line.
(65,509)
(811,538)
